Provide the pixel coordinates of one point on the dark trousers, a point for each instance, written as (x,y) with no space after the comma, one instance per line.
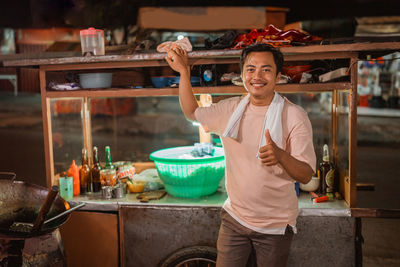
(236,243)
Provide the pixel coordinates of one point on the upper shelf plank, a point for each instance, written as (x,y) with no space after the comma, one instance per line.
(218,55)
(218,90)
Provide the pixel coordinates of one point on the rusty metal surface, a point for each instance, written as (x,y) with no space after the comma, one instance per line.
(154,56)
(20,201)
(116,58)
(323,241)
(331,208)
(43,251)
(152,233)
(94,202)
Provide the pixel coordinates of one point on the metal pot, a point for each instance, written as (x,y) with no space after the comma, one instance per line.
(21,202)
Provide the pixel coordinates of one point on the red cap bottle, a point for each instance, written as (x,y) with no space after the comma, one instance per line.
(74,173)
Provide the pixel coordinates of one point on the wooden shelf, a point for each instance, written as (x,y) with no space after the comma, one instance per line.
(198,57)
(313,87)
(218,90)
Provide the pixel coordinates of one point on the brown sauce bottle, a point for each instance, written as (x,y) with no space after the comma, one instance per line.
(95,171)
(84,173)
(327,181)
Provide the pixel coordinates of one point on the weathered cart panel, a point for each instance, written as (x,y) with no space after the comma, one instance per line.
(152,233)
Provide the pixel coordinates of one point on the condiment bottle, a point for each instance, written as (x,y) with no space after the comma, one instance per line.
(74,173)
(327,181)
(95,171)
(84,173)
(108,164)
(66,186)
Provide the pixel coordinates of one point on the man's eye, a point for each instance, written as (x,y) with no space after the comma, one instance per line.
(250,70)
(266,70)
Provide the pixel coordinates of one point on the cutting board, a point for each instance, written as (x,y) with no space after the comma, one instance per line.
(151,195)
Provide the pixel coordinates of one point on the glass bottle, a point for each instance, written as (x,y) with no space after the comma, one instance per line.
(108,164)
(84,173)
(327,181)
(95,171)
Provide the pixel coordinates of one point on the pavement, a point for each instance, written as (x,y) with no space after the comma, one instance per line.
(378,162)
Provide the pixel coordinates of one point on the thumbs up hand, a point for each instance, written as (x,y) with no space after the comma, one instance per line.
(270,153)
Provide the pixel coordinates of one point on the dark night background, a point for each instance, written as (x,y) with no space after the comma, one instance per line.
(80,13)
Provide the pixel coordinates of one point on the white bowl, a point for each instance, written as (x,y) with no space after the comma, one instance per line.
(311,186)
(95,80)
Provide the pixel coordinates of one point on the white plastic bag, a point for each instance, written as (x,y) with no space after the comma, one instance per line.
(150,176)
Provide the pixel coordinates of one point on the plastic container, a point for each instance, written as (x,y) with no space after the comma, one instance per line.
(161,81)
(92,42)
(95,80)
(186,177)
(195,81)
(73,172)
(136,186)
(311,186)
(66,187)
(166,81)
(297,188)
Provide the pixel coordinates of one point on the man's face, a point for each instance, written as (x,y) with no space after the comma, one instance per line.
(259,76)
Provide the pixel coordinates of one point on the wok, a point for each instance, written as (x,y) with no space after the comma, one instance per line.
(21,202)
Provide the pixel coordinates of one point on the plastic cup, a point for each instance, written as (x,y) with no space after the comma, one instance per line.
(66,187)
(92,42)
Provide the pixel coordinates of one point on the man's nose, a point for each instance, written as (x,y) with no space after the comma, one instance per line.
(258,73)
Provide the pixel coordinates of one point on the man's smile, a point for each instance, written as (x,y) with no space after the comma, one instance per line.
(258,84)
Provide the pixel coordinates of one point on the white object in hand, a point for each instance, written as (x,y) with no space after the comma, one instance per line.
(311,186)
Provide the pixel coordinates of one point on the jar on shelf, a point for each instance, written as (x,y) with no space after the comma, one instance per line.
(108,177)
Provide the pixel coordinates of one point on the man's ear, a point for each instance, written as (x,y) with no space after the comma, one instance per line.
(278,77)
(244,85)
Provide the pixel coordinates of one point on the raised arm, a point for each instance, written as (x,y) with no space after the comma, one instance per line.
(177,60)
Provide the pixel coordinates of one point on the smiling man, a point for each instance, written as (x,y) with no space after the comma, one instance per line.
(268,146)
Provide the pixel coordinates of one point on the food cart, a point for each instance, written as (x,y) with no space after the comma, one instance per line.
(169,230)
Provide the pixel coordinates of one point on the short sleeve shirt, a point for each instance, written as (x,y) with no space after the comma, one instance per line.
(260,197)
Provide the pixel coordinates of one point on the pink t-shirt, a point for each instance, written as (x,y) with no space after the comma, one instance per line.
(261,198)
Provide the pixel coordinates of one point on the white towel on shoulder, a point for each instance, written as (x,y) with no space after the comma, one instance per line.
(272,121)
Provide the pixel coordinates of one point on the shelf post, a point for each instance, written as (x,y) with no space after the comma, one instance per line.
(48,140)
(87,128)
(353,131)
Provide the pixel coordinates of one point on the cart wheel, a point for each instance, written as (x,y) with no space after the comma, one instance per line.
(192,257)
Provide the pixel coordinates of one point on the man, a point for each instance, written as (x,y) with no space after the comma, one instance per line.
(268,146)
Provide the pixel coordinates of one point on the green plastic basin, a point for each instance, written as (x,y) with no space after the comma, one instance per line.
(189,178)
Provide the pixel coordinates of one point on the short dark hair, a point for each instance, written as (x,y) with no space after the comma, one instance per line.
(276,53)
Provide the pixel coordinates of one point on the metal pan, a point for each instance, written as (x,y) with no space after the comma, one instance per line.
(21,202)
